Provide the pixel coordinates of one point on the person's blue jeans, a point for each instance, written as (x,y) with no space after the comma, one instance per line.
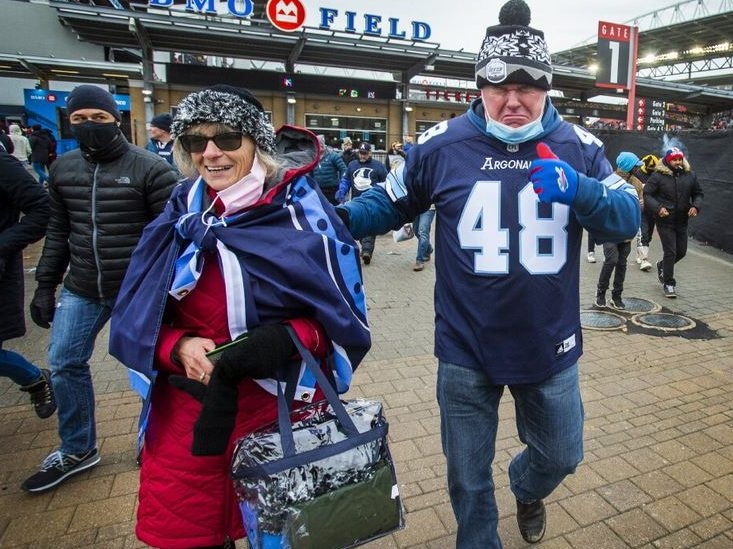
(16,367)
(40,170)
(76,323)
(421,226)
(549,417)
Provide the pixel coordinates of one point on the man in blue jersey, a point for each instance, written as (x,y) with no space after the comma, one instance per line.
(513,186)
(360,175)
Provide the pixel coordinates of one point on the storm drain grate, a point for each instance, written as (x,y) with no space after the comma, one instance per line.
(664,321)
(601,320)
(636,305)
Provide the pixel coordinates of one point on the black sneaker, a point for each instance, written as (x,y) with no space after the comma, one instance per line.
(617,303)
(366,258)
(669,291)
(42,397)
(57,467)
(600,299)
(531,520)
(660,272)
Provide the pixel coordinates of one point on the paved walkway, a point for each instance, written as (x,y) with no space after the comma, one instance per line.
(658,470)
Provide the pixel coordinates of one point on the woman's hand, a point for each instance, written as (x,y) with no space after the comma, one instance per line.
(190,352)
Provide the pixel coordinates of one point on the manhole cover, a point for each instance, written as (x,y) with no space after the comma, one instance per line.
(601,320)
(639,305)
(663,321)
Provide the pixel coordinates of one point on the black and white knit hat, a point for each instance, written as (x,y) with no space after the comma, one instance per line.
(223,104)
(513,52)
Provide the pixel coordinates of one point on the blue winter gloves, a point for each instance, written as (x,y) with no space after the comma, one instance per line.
(344,185)
(553,180)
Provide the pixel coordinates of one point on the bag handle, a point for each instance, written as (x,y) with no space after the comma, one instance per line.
(283,412)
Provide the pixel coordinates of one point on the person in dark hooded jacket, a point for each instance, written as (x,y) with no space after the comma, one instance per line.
(41,150)
(19,193)
(674,194)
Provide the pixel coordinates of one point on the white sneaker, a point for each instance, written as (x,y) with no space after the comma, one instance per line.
(645,265)
(591,257)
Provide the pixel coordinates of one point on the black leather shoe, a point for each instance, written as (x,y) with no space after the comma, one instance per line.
(531,520)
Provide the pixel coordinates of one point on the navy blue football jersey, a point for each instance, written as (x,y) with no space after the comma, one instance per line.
(507,266)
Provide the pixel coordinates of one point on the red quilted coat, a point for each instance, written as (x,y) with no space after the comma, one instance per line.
(188,501)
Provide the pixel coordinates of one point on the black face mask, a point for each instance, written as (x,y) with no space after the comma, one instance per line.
(94,135)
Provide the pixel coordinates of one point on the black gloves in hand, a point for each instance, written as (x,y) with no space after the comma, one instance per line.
(215,423)
(43,305)
(259,355)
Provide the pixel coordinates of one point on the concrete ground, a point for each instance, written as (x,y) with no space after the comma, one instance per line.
(658,469)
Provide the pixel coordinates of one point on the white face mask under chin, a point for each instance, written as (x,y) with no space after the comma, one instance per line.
(511,135)
(244,192)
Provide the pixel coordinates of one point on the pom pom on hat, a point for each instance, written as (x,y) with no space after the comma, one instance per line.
(228,105)
(513,52)
(673,154)
(626,161)
(87,96)
(162,122)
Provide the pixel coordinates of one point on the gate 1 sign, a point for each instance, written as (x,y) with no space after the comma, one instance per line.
(615,55)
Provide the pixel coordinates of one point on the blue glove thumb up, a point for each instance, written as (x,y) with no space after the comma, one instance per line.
(553,180)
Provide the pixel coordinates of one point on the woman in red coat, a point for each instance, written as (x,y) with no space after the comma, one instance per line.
(247,248)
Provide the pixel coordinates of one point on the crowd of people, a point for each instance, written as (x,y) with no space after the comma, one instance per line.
(227,232)
(34,147)
(348,173)
(669,195)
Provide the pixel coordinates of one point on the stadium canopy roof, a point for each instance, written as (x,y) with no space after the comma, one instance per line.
(691,39)
(137,27)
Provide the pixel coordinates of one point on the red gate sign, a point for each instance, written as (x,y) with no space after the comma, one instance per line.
(286,15)
(615,55)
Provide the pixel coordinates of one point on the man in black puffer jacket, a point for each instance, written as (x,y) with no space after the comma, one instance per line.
(102,196)
(674,195)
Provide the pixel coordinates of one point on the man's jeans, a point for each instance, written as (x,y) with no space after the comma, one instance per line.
(549,421)
(16,367)
(40,170)
(76,323)
(421,226)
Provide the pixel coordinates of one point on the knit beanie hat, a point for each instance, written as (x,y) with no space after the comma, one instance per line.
(626,161)
(162,122)
(673,154)
(223,104)
(513,52)
(87,96)
(650,162)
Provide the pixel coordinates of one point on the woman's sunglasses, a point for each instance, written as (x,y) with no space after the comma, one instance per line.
(229,141)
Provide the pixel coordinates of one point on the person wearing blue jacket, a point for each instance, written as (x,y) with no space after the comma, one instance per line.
(161,140)
(329,171)
(513,186)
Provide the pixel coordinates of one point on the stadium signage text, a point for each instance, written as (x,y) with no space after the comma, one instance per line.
(289,16)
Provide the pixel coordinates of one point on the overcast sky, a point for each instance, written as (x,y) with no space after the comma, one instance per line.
(460,24)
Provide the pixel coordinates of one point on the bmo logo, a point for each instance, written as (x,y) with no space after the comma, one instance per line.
(286,15)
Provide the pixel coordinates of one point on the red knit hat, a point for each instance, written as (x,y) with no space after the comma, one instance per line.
(673,154)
